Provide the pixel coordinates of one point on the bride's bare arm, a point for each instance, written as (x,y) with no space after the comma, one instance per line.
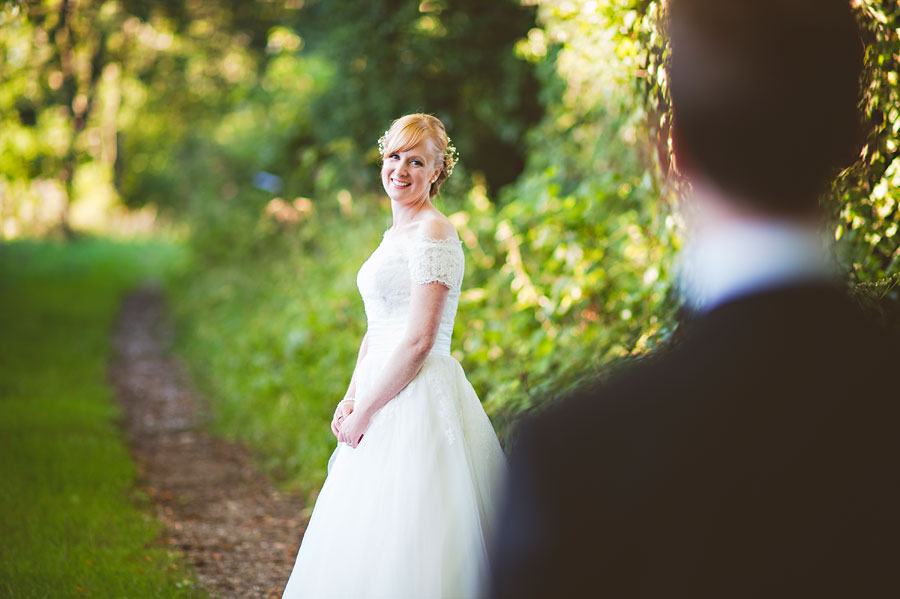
(363,348)
(426,306)
(345,407)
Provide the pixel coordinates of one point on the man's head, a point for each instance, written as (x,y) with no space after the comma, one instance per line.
(765,97)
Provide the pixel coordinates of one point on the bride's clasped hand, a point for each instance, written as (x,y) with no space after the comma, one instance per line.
(349,425)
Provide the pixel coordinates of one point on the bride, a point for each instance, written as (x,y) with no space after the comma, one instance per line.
(407,508)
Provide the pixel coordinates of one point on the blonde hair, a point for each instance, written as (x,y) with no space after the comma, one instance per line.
(407,131)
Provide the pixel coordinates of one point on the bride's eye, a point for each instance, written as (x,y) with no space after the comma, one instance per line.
(394,157)
(417,162)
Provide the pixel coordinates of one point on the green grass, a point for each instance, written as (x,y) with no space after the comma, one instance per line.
(72,522)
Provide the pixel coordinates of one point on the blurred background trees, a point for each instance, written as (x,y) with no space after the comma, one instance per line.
(250,126)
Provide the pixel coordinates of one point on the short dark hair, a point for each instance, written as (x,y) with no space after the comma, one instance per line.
(765,95)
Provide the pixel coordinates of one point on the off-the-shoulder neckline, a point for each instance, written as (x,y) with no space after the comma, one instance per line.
(417,235)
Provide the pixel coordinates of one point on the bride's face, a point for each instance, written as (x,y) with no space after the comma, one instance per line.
(407,175)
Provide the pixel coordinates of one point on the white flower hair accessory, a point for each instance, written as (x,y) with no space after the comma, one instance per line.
(381,141)
(451,157)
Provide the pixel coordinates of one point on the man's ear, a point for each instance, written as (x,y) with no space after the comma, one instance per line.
(681,158)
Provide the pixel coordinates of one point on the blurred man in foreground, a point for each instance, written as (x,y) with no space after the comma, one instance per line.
(758,458)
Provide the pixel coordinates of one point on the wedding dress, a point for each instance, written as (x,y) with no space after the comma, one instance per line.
(408,513)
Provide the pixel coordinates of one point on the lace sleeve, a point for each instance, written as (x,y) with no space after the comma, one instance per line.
(437,261)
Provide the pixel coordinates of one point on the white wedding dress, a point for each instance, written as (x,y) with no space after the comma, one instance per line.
(408,513)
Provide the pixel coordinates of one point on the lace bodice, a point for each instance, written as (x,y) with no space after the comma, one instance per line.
(385,282)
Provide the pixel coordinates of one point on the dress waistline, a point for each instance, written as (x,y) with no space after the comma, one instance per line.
(383,337)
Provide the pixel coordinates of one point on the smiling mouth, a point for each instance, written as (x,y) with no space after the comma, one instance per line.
(400,184)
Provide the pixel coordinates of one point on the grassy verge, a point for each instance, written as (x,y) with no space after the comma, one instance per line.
(272,340)
(71,522)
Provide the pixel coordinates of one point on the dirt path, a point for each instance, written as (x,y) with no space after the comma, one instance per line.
(240,533)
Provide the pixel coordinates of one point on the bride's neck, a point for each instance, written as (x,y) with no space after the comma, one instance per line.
(405,215)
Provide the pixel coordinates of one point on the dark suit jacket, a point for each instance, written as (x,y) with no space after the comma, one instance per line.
(759,458)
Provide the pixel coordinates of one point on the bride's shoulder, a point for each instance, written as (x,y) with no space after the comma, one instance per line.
(437,227)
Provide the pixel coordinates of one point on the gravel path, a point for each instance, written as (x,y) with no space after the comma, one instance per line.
(238,530)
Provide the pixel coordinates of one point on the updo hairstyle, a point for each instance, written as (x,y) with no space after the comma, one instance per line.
(407,131)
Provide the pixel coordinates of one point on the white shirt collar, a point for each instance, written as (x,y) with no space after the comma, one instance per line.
(746,257)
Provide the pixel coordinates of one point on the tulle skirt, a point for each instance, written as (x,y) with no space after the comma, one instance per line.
(408,513)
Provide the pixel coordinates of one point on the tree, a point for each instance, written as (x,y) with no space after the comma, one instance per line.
(79,78)
(453,58)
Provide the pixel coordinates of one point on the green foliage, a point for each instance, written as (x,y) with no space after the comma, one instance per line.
(577,262)
(71,519)
(306,103)
(59,97)
(101,102)
(864,203)
(403,56)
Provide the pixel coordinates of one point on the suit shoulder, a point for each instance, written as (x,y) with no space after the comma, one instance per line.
(599,408)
